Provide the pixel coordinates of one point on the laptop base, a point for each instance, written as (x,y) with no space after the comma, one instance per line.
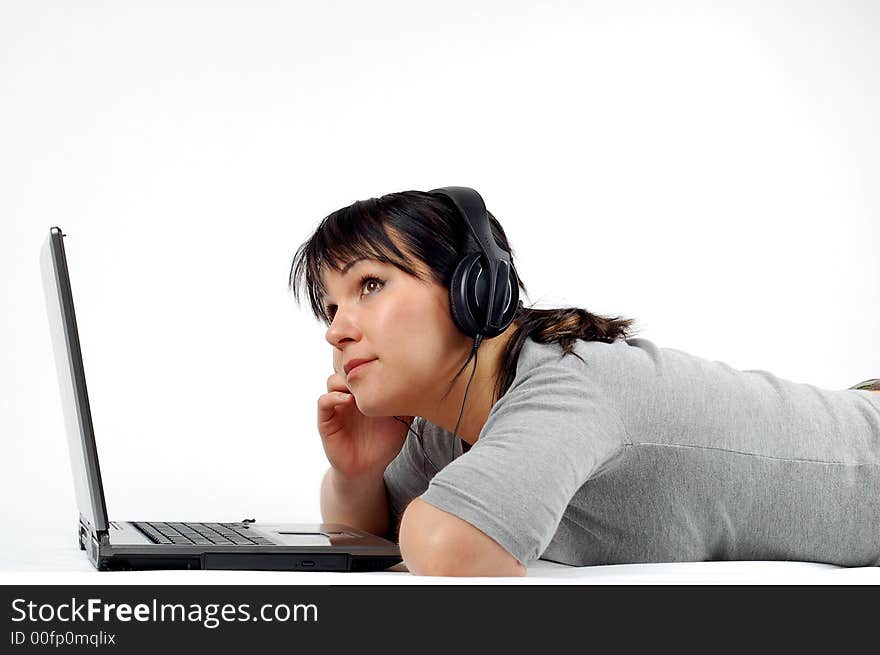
(349,550)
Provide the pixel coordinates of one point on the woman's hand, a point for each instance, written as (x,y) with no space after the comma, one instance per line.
(356,445)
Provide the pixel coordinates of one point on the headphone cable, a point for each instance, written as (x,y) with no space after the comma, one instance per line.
(477,341)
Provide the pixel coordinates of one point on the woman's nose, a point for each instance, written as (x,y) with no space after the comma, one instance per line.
(342,327)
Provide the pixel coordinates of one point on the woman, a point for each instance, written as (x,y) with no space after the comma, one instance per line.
(571,440)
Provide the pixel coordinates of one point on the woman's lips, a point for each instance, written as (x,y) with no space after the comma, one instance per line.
(357,369)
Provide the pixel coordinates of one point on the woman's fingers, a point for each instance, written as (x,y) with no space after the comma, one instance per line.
(337,383)
(328,402)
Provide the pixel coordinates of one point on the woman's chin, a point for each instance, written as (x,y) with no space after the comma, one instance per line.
(373,407)
(367,406)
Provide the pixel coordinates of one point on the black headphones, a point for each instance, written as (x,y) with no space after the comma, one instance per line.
(483,293)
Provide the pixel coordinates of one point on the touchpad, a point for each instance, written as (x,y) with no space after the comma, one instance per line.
(301,538)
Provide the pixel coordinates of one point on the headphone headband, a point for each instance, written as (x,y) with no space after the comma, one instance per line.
(472,208)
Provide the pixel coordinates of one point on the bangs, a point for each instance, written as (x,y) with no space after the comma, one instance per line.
(343,236)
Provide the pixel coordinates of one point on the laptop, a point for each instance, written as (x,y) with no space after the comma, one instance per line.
(133,545)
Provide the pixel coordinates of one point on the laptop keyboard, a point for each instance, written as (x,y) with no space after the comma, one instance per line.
(202,534)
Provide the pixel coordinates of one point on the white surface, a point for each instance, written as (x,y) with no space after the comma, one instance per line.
(58,562)
(66,565)
(707,169)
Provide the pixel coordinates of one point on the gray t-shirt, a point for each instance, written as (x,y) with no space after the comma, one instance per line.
(648,454)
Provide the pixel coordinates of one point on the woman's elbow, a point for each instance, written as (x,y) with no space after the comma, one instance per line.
(433,542)
(452,561)
(483,569)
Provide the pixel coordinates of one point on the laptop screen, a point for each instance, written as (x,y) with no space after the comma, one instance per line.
(72,382)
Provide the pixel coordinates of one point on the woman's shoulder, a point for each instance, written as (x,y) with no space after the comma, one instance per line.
(536,353)
(575,381)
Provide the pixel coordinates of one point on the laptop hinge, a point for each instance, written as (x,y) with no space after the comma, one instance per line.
(86,532)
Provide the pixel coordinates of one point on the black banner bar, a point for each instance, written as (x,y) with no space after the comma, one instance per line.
(157,618)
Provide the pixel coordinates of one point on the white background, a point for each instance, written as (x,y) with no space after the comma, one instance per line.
(708,169)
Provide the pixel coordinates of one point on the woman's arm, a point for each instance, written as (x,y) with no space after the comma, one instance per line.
(434,542)
(361,503)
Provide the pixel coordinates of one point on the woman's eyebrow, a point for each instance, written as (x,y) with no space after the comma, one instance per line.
(348,266)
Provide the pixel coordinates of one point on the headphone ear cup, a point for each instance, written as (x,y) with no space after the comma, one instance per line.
(463,300)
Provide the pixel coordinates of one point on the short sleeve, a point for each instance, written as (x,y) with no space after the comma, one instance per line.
(552,431)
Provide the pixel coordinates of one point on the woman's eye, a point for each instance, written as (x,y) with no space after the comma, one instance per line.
(367,281)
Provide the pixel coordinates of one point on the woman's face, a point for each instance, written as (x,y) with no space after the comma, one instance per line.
(403,323)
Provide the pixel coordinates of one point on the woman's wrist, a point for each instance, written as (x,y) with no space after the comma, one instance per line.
(354,483)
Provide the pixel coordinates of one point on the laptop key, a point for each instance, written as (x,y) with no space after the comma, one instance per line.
(202,534)
(155,536)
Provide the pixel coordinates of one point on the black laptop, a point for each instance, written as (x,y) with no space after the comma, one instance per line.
(129,545)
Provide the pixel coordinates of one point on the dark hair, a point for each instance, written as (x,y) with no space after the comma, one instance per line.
(431,230)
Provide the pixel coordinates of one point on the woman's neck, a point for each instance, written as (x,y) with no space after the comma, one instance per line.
(480,395)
